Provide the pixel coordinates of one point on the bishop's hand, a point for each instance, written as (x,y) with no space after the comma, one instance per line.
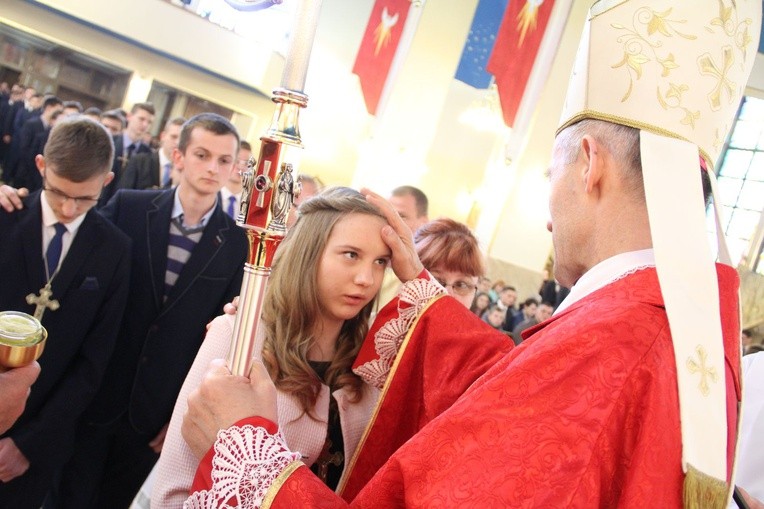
(223,399)
(398,237)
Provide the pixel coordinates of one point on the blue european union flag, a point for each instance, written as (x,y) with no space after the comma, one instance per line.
(480,42)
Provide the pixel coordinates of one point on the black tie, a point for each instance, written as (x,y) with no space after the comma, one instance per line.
(53,254)
(130,150)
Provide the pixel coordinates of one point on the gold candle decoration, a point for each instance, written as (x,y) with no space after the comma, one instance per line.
(22,339)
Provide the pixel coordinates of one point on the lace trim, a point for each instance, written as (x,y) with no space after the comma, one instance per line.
(412,299)
(247,461)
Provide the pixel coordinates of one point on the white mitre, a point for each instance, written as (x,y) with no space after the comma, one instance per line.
(676,70)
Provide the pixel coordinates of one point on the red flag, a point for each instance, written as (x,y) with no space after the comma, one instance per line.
(514,53)
(378,47)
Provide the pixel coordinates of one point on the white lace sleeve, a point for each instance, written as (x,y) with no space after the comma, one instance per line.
(413,297)
(247,461)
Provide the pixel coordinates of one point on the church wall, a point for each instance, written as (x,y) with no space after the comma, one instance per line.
(253,109)
(521,243)
(165,27)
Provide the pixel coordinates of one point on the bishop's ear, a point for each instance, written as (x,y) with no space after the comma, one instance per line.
(593,154)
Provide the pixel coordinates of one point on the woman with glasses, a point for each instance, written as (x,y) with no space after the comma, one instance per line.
(450,251)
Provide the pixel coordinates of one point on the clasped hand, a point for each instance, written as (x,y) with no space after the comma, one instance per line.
(223,399)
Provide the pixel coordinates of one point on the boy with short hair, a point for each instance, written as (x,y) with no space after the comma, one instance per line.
(59,246)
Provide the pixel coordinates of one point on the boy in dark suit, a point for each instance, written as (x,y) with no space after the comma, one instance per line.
(153,170)
(129,143)
(25,174)
(59,242)
(187,262)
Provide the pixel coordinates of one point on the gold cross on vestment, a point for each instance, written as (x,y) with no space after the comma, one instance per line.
(43,301)
(706,373)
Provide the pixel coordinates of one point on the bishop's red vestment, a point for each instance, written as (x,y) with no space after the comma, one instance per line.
(584,413)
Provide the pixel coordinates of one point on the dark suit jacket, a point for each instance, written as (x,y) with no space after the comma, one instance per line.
(22,116)
(118,166)
(158,340)
(25,173)
(11,149)
(92,289)
(9,117)
(141,172)
(5,112)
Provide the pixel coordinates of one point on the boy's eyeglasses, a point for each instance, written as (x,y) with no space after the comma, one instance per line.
(61,197)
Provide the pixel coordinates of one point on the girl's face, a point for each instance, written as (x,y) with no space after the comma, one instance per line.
(351,269)
(482,301)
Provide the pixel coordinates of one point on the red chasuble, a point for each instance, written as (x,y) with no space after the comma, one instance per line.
(444,352)
(582,414)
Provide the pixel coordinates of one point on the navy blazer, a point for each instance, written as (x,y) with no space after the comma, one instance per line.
(158,340)
(118,166)
(91,288)
(24,171)
(141,172)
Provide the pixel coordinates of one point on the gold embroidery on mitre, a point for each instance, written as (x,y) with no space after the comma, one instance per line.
(706,372)
(672,99)
(718,141)
(639,50)
(708,67)
(735,29)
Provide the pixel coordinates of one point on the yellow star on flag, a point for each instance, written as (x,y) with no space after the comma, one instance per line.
(527,17)
(382,33)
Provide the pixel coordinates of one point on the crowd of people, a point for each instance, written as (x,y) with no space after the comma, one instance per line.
(391,370)
(169,208)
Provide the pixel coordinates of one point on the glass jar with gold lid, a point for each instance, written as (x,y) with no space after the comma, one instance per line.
(22,339)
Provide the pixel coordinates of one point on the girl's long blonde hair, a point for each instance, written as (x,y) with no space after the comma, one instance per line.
(291,305)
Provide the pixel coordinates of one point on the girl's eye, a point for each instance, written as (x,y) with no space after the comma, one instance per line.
(383,262)
(350,254)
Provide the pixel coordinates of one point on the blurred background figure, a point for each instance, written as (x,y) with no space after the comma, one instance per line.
(480,303)
(494,317)
(484,286)
(495,290)
(540,313)
(153,170)
(230,193)
(311,186)
(412,205)
(72,108)
(93,113)
(114,121)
